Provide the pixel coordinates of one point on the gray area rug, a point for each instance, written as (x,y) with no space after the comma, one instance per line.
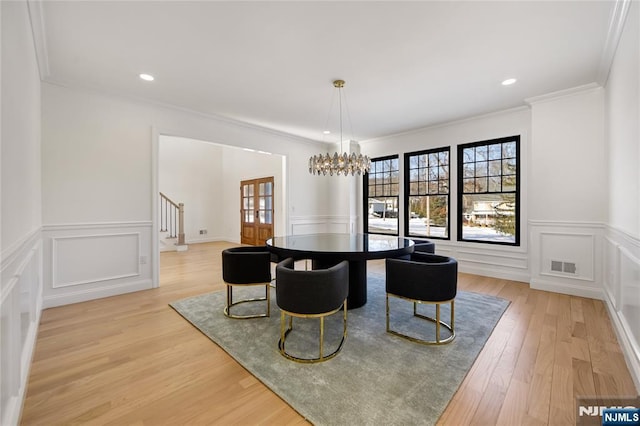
(377,378)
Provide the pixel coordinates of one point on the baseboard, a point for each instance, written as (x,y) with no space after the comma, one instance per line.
(493,273)
(570,289)
(630,352)
(96,293)
(204,240)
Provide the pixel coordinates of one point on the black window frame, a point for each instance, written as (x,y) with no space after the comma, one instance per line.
(517,192)
(408,195)
(365,196)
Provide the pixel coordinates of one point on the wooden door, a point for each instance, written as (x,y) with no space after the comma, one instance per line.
(256,211)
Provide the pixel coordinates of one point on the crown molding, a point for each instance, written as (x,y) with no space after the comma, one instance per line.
(472,118)
(614,33)
(39,37)
(563,93)
(208,116)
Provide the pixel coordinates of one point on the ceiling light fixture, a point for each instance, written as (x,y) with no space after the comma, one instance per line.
(509,81)
(147,77)
(340,163)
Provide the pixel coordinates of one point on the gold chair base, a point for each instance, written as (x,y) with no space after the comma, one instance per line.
(284,332)
(230,303)
(435,320)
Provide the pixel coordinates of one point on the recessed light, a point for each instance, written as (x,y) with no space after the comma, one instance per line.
(327,132)
(147,77)
(509,82)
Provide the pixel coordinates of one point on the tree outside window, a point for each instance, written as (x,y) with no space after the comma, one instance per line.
(382,187)
(489,191)
(427,193)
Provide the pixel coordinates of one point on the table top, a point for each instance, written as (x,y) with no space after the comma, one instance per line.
(369,245)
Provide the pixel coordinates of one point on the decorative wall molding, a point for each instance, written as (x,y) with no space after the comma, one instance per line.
(621,291)
(96,225)
(21,307)
(320,224)
(614,33)
(15,250)
(567,288)
(577,243)
(82,295)
(550,97)
(83,243)
(84,261)
(39,37)
(509,263)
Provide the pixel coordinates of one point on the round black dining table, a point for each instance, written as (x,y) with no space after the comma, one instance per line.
(326,250)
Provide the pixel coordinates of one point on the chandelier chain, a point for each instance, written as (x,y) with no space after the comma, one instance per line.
(342,163)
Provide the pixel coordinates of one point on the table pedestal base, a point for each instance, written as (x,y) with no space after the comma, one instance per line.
(357,279)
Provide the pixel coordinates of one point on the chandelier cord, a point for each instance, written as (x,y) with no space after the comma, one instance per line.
(340,105)
(341,163)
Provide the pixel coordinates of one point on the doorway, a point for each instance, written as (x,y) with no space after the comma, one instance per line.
(256,211)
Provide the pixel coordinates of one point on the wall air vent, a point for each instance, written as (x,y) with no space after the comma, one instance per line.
(556,266)
(567,267)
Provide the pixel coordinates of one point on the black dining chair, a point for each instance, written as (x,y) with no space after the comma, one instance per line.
(242,267)
(311,294)
(424,278)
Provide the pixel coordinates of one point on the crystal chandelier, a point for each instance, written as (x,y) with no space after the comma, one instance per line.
(340,164)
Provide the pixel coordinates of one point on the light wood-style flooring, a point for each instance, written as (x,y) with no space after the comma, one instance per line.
(133,360)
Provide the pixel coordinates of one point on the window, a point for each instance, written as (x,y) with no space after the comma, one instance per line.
(382,186)
(489,191)
(427,193)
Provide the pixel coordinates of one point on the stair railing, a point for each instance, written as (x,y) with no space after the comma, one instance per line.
(172,218)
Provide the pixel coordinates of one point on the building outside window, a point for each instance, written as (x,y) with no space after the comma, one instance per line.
(427,193)
(489,191)
(382,187)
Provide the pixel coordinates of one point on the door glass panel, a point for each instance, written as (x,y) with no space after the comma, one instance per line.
(268,188)
(248,216)
(268,217)
(261,189)
(268,204)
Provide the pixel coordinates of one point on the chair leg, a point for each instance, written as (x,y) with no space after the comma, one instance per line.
(321,355)
(321,336)
(437,322)
(230,303)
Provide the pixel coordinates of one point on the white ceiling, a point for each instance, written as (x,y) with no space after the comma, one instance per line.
(407,64)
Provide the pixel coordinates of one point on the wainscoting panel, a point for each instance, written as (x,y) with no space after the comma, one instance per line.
(20,308)
(86,259)
(567,257)
(90,261)
(622,294)
(300,225)
(510,263)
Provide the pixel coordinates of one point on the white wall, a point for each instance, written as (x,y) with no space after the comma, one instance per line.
(567,187)
(206,178)
(100,181)
(621,277)
(190,172)
(21,260)
(239,165)
(484,259)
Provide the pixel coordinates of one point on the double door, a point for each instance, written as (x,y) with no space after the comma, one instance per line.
(256,211)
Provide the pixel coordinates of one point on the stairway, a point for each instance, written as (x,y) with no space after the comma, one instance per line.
(171,225)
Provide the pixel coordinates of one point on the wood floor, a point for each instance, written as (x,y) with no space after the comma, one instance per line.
(131,359)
